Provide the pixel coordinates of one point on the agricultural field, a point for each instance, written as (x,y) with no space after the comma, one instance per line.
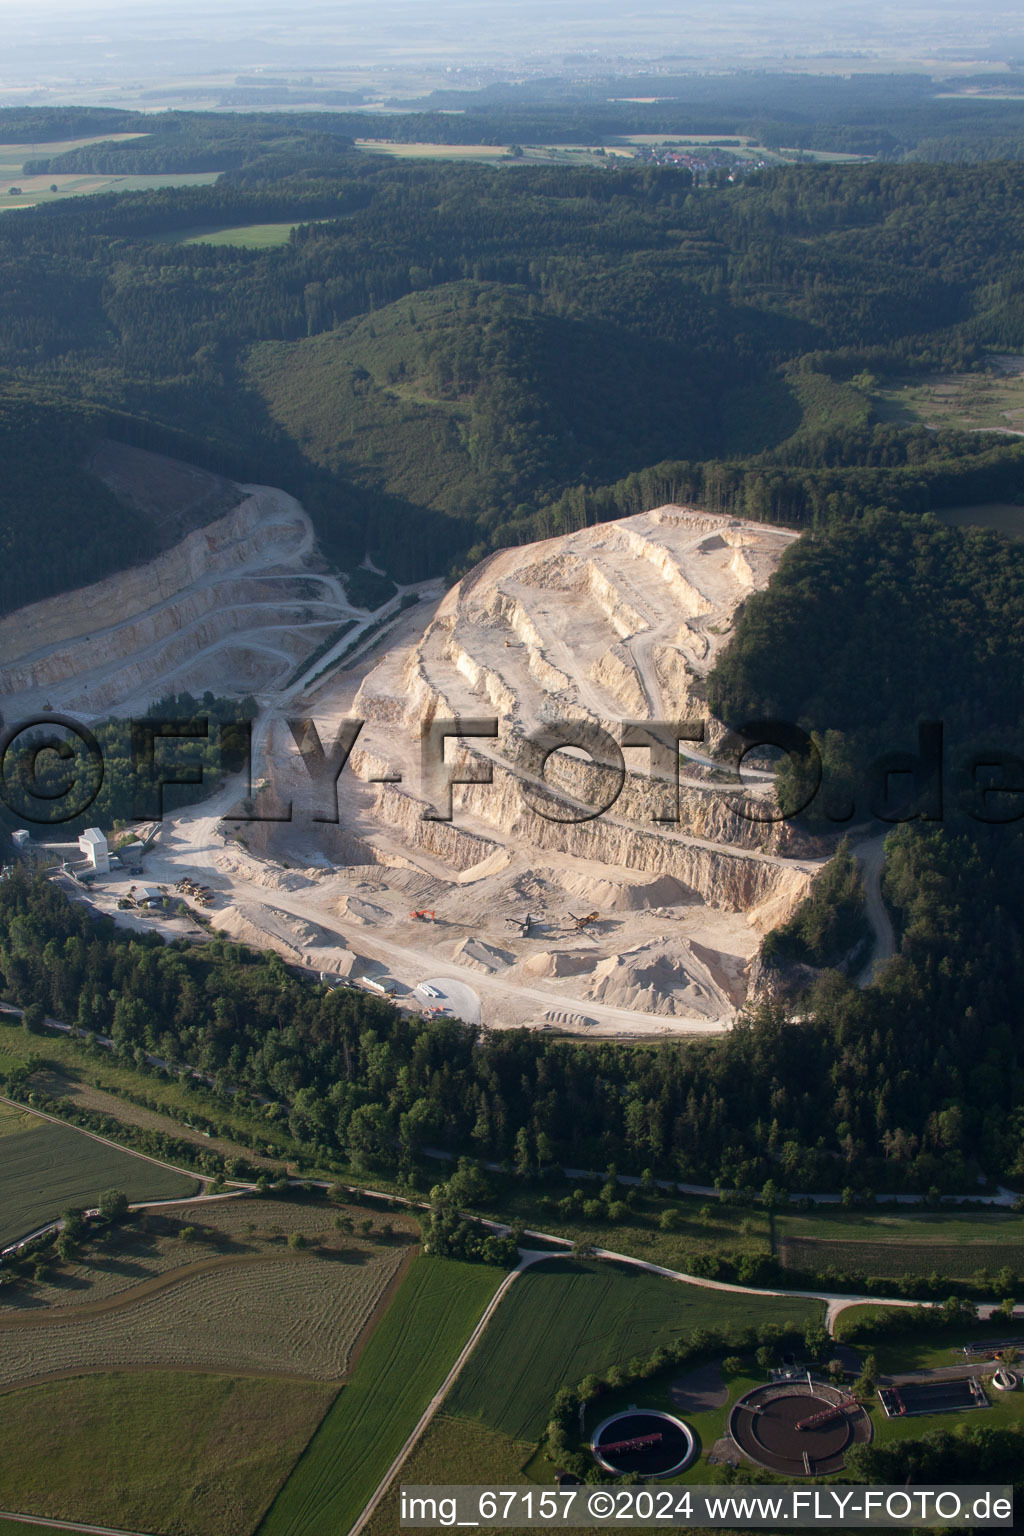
(486,152)
(14,156)
(53,188)
(178,1239)
(96,1449)
(14,1119)
(953,1244)
(232,1295)
(890,1260)
(406,1360)
(250,237)
(100,1101)
(563,1320)
(80,1069)
(51,1167)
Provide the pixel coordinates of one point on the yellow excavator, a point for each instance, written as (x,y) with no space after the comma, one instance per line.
(584,922)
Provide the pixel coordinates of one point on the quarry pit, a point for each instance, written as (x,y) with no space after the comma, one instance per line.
(516,908)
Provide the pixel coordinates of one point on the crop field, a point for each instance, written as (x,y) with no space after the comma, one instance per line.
(250,237)
(182,1454)
(958,1261)
(288,1313)
(39,189)
(14,156)
(50,1167)
(563,1320)
(77,1071)
(13,1120)
(951,1243)
(433,151)
(453,1451)
(404,1363)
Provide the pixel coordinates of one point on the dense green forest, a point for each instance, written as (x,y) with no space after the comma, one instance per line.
(443,359)
(851,1097)
(865,631)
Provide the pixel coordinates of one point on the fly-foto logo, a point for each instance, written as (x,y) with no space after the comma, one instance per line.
(52,770)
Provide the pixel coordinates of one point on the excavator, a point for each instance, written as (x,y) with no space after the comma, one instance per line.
(584,922)
(424,915)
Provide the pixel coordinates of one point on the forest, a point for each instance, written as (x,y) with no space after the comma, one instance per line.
(444,359)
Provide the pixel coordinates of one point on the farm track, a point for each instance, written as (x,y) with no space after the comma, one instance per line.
(65,1525)
(441,1394)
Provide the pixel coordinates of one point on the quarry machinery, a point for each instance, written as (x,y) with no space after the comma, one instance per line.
(584,922)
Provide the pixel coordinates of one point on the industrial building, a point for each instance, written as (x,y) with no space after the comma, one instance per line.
(93,845)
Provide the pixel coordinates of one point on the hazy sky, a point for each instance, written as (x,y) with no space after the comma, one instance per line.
(96,39)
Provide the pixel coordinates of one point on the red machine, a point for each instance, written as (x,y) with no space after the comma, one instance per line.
(826,1415)
(638,1444)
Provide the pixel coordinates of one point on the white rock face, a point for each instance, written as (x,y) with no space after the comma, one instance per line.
(233,608)
(618,622)
(623,922)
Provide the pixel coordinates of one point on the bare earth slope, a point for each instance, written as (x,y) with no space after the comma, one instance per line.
(233,608)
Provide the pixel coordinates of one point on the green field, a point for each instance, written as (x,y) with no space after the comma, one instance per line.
(563,1320)
(51,1167)
(38,189)
(251,237)
(406,1360)
(13,1120)
(402,151)
(155,1451)
(925,1348)
(100,1068)
(452,1451)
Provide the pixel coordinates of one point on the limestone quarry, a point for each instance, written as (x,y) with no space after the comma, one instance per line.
(523,906)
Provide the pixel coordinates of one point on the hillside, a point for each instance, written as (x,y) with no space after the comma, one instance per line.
(469,399)
(440,360)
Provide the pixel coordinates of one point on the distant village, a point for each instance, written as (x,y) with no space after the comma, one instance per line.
(708,163)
